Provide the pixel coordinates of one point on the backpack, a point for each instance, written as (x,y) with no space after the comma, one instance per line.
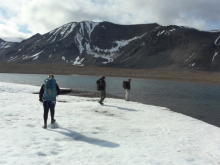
(124,84)
(50,90)
(99,84)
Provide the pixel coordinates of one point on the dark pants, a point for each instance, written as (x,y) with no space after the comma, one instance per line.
(102,96)
(49,105)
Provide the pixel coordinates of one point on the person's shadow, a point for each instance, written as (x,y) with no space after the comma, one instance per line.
(79,137)
(121,108)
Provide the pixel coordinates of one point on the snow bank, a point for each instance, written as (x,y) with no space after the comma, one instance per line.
(117,133)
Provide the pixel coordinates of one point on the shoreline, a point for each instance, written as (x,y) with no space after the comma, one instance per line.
(95,96)
(78,93)
(156,74)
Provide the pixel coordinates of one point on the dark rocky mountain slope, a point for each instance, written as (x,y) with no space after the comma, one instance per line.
(4,45)
(145,46)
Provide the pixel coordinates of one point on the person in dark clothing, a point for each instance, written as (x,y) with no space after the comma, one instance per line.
(102,90)
(127,90)
(49,102)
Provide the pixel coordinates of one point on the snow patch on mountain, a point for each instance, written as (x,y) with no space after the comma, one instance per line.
(160,32)
(216,53)
(189,57)
(217,41)
(111,53)
(54,39)
(78,40)
(37,41)
(86,29)
(90,26)
(78,61)
(125,59)
(142,44)
(35,56)
(120,44)
(99,55)
(70,30)
(5,45)
(12,58)
(64,29)
(55,33)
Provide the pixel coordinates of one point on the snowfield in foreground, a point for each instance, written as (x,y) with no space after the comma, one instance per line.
(86,133)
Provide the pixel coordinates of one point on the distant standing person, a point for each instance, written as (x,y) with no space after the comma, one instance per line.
(127,87)
(101,86)
(48,92)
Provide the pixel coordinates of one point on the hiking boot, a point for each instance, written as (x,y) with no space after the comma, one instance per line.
(45,126)
(53,121)
(100,103)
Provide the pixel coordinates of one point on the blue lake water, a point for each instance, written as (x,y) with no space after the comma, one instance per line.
(201,101)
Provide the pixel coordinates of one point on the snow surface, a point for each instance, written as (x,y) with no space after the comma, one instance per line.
(87,133)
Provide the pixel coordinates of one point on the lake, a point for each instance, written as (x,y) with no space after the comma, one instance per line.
(197,100)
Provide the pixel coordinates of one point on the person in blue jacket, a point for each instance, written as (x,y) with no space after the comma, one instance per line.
(47,95)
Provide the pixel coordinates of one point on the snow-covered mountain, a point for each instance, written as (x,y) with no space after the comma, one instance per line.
(5,44)
(129,46)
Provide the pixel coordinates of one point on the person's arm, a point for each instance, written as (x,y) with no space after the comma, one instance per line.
(41,93)
(129,86)
(58,89)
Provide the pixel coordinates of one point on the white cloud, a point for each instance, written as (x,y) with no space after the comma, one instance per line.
(41,16)
(9,31)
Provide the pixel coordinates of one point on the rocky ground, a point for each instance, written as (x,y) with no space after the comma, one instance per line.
(161,73)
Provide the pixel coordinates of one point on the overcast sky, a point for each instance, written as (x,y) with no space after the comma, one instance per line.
(24,18)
